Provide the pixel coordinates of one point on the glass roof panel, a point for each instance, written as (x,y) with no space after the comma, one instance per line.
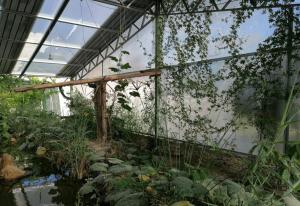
(38,30)
(27,52)
(69,35)
(67,32)
(49,8)
(19,66)
(55,54)
(88,12)
(41,68)
(38,68)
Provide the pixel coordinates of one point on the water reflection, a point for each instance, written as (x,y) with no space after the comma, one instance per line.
(63,193)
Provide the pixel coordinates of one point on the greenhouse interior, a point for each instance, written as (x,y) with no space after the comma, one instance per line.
(149,102)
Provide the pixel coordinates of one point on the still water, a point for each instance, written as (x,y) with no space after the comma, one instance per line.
(61,193)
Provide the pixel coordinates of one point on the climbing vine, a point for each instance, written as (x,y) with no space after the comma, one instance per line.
(260,92)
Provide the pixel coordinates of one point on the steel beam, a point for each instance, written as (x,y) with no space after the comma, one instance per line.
(168,8)
(128,7)
(115,45)
(210,6)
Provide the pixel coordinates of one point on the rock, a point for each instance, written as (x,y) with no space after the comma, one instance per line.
(97,157)
(291,201)
(175,172)
(199,191)
(22,146)
(100,184)
(9,170)
(114,197)
(219,194)
(86,189)
(183,186)
(151,190)
(114,161)
(131,150)
(182,203)
(100,179)
(41,151)
(162,183)
(233,187)
(144,178)
(131,156)
(147,170)
(136,199)
(13,141)
(99,167)
(120,169)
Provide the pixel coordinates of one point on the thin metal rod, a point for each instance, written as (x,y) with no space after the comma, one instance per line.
(209,10)
(51,26)
(130,36)
(140,10)
(41,61)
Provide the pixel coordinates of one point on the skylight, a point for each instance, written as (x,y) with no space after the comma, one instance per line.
(77,24)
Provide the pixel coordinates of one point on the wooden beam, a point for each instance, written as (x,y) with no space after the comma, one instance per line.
(101,112)
(149,72)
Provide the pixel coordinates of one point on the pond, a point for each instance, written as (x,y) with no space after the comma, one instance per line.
(62,193)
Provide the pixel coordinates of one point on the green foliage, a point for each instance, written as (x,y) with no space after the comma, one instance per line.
(254,91)
(65,140)
(12,102)
(82,108)
(286,168)
(122,85)
(124,183)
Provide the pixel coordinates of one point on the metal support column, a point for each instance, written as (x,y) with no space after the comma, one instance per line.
(288,69)
(158,45)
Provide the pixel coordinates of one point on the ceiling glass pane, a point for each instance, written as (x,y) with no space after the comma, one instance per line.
(49,8)
(70,35)
(55,54)
(19,66)
(88,12)
(27,52)
(38,30)
(38,68)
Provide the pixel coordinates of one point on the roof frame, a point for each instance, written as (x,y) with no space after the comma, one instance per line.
(228,5)
(96,56)
(51,26)
(128,6)
(110,49)
(59,20)
(15,27)
(108,44)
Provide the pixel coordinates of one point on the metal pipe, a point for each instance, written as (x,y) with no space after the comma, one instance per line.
(140,10)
